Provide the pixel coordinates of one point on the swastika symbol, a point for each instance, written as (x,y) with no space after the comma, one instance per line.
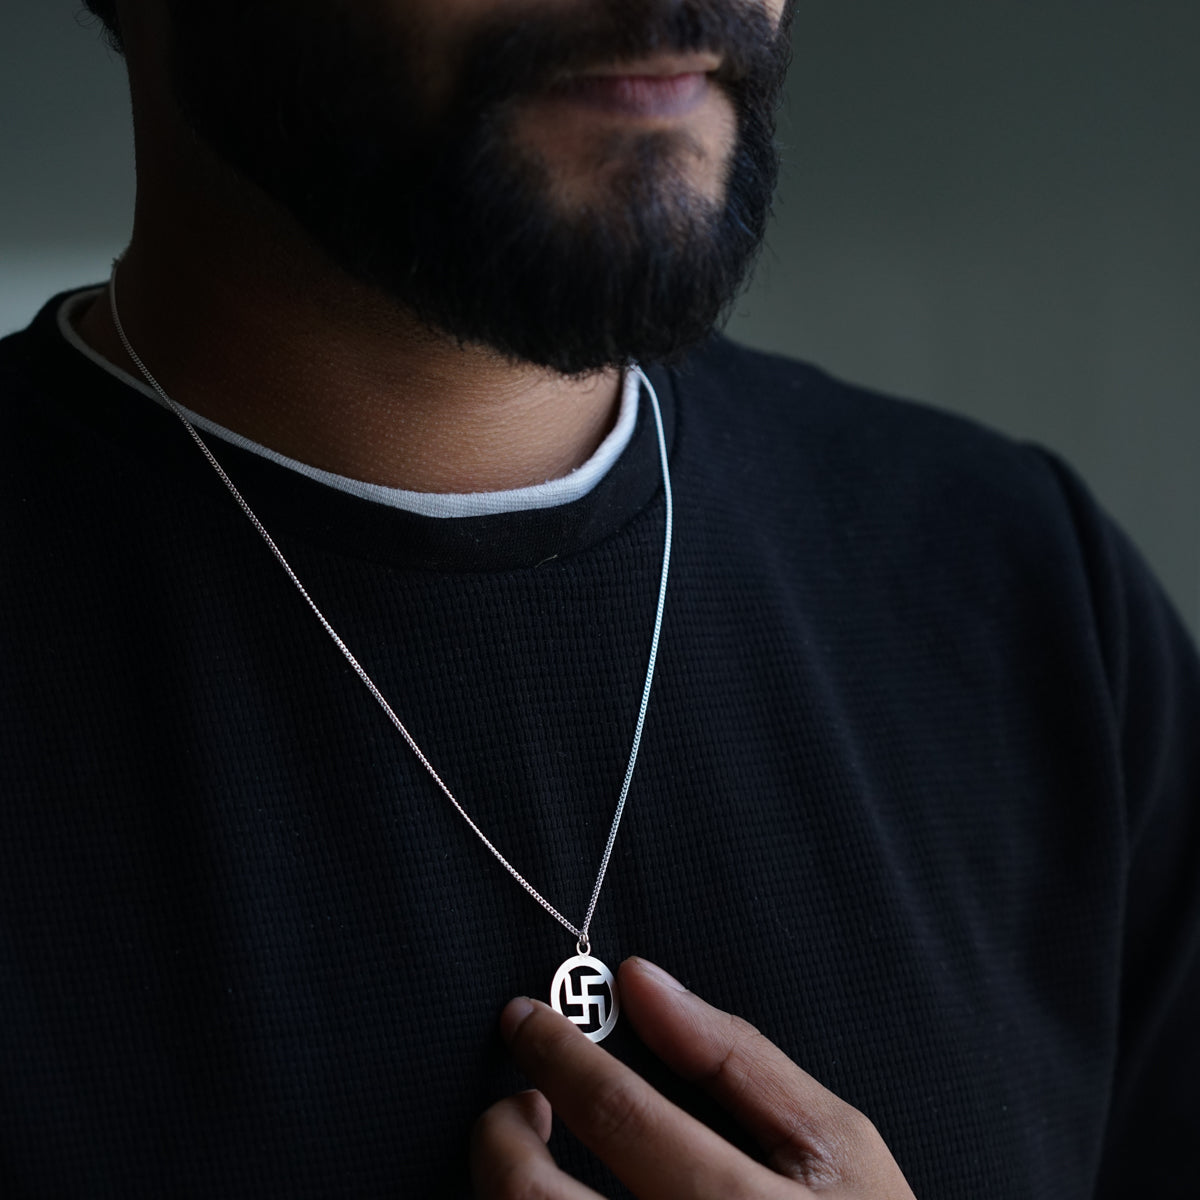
(585,992)
(584,1000)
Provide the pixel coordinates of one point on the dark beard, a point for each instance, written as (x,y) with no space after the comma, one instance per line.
(442,212)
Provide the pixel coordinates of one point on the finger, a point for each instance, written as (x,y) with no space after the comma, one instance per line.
(807,1132)
(509,1158)
(656,1149)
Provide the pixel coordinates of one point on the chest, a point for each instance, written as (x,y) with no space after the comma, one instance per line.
(263,946)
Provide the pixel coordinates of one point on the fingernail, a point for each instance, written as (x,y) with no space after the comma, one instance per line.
(657,973)
(513,1016)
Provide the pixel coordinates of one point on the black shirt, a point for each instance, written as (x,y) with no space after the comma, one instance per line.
(919,794)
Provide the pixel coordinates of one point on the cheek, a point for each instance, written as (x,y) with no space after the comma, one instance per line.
(775,10)
(715,138)
(426,34)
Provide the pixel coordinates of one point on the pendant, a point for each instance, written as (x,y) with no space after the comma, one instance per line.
(585,992)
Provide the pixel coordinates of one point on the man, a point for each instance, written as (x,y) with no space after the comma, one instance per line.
(918,787)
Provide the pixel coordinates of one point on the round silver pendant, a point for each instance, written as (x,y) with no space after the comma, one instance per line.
(585,992)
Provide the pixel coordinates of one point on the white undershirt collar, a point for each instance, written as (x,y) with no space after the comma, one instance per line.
(569,488)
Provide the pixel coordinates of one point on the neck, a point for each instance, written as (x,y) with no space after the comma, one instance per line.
(250,327)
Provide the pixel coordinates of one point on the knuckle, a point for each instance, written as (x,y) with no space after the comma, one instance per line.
(540,1040)
(742,1031)
(822,1148)
(735,1065)
(849,1143)
(743,1041)
(807,1154)
(617,1113)
(856,1132)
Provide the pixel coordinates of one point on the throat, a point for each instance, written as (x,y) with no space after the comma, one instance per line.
(366,404)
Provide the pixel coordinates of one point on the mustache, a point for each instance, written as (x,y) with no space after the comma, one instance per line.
(516,54)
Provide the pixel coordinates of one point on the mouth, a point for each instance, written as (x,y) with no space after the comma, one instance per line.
(662,87)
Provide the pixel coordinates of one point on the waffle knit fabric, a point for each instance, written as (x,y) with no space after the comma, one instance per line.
(919,794)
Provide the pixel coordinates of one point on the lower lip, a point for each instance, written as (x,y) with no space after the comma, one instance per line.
(637,95)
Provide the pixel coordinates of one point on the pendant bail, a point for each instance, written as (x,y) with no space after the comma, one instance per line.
(583,945)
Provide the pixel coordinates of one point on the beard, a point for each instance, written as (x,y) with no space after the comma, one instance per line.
(436,204)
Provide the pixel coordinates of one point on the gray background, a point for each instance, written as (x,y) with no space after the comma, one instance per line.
(991,207)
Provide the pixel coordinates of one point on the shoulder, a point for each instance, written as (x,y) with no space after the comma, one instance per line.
(17,376)
(781,433)
(37,372)
(783,402)
(896,498)
(955,534)
(34,438)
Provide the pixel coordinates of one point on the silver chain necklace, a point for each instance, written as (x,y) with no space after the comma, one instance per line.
(584,989)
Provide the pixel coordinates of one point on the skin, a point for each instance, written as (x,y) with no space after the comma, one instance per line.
(243,320)
(812,1142)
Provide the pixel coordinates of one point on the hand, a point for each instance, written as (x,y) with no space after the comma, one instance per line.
(814,1143)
